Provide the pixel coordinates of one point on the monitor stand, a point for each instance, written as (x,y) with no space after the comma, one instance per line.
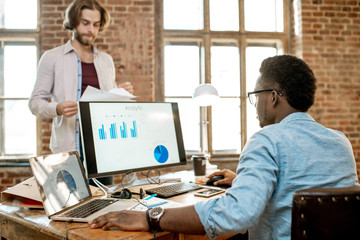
(131,179)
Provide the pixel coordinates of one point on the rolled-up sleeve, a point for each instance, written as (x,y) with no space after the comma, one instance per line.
(39,102)
(242,205)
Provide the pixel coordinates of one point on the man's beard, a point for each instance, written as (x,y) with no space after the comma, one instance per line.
(82,41)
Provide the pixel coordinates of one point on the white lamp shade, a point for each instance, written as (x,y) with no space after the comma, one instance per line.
(205,95)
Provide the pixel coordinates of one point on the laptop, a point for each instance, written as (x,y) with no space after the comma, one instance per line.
(65,191)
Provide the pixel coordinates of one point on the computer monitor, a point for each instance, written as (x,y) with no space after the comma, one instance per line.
(125,137)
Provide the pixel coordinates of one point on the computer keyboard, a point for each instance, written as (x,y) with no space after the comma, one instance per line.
(89,208)
(173,189)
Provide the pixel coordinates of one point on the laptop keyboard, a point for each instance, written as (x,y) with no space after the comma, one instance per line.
(88,208)
(173,189)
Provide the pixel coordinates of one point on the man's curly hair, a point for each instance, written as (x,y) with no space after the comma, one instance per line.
(292,77)
(73,14)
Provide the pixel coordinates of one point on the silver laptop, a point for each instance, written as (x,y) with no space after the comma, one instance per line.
(65,191)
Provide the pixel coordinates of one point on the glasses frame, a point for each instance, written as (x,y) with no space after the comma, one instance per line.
(252,102)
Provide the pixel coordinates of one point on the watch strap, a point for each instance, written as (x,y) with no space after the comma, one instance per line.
(154,223)
(149,221)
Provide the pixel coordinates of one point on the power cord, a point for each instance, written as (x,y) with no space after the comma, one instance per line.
(155,179)
(67,230)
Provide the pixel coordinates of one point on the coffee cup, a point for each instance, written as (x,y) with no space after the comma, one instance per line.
(199,165)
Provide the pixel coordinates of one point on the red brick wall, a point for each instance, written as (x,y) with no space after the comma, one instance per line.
(11,175)
(329,41)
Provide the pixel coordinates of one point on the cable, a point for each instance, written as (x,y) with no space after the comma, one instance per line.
(67,199)
(67,230)
(152,179)
(141,202)
(103,188)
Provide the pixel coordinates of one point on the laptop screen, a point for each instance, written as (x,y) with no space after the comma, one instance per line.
(123,137)
(61,180)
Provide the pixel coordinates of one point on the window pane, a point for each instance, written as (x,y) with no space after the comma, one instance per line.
(226,125)
(264,15)
(224,15)
(18,14)
(254,57)
(181,69)
(225,70)
(183,14)
(19,72)
(20,130)
(190,123)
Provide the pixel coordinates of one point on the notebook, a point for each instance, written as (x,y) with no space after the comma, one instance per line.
(64,189)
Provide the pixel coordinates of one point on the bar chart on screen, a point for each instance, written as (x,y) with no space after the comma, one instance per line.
(120,131)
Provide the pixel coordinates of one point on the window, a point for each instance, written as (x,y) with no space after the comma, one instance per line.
(18,62)
(222,43)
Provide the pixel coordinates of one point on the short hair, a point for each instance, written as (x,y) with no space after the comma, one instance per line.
(292,77)
(73,14)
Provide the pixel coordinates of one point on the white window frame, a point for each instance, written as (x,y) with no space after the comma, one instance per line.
(21,37)
(242,38)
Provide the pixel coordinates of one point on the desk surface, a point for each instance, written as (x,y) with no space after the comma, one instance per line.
(22,223)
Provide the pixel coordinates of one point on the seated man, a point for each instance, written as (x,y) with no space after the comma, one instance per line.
(289,153)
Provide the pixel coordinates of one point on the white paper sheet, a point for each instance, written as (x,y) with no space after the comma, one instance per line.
(114,95)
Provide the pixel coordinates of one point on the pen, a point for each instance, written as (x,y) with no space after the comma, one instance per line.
(150,197)
(157,204)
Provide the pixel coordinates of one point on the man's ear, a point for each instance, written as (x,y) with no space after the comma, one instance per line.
(274,98)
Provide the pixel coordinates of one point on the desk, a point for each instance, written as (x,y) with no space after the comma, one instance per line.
(23,224)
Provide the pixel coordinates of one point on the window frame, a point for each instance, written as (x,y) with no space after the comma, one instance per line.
(206,36)
(17,37)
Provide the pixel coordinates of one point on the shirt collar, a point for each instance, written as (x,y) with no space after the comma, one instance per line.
(297,116)
(69,48)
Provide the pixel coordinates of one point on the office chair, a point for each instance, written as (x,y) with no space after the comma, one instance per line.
(326,213)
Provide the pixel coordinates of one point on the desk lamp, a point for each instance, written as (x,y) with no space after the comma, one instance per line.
(205,95)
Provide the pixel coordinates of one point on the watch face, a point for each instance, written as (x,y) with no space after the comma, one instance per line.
(156,212)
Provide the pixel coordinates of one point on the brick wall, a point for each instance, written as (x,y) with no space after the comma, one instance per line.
(327,37)
(12,175)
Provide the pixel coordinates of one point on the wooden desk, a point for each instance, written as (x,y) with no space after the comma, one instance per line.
(23,224)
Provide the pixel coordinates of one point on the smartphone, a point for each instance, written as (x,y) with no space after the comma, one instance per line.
(208,192)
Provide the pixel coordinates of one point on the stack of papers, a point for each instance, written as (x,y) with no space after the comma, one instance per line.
(24,194)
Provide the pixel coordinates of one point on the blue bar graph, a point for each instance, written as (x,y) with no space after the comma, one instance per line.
(123,131)
(133,131)
(113,131)
(102,134)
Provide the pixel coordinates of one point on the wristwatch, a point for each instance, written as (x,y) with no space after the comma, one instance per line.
(153,216)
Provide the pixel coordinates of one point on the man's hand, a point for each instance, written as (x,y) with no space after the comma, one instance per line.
(67,108)
(127,86)
(228,177)
(125,220)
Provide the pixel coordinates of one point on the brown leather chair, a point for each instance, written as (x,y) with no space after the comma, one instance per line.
(326,213)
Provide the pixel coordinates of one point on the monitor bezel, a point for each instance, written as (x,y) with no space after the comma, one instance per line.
(88,147)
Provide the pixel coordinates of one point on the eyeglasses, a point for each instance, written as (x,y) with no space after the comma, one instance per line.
(253,95)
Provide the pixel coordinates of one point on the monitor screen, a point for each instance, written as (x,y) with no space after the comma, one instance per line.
(124,137)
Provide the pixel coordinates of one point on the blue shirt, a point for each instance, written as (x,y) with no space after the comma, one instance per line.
(278,160)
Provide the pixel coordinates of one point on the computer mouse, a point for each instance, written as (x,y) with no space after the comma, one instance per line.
(213,179)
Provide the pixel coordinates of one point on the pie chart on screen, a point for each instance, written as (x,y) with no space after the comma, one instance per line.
(161,154)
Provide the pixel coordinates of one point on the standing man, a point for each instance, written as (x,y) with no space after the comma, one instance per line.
(290,152)
(64,73)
